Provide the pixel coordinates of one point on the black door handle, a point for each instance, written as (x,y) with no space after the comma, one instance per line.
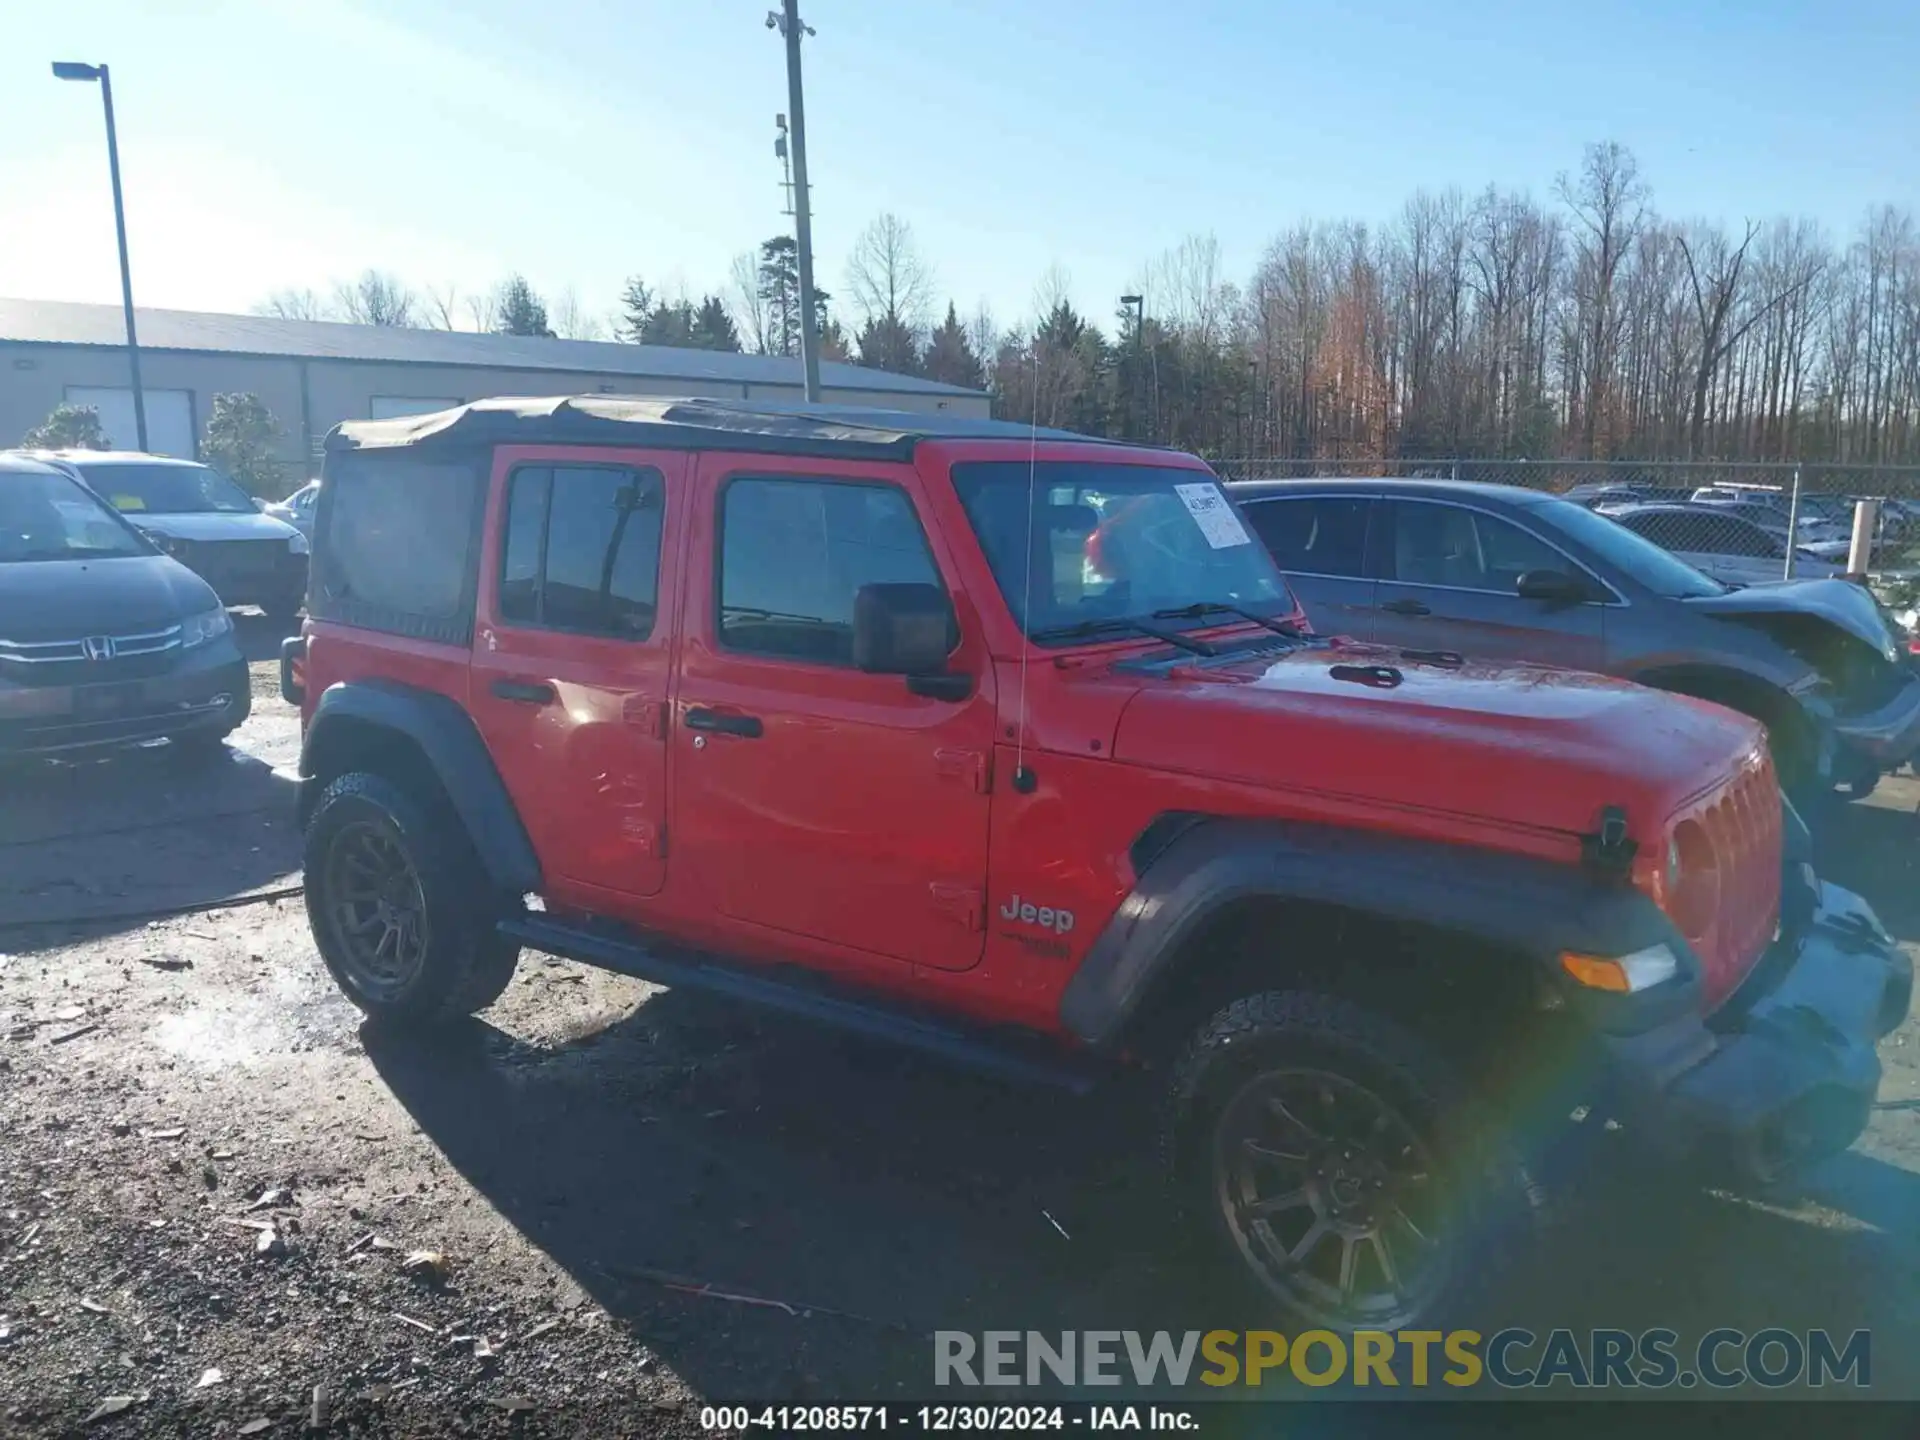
(722,722)
(528,692)
(1407,607)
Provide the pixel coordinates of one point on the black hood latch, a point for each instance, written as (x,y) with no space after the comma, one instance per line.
(1607,849)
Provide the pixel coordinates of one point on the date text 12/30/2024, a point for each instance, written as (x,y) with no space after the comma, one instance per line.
(945,1419)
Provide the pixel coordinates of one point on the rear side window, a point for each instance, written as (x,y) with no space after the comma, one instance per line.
(582,549)
(794,554)
(396,539)
(1319,535)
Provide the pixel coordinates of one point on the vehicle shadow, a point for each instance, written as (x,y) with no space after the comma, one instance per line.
(869,1199)
(100,845)
(1875,849)
(259,635)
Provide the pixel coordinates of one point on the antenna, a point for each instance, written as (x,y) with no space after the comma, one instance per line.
(1024,780)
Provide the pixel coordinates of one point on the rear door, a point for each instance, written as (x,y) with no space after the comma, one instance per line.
(571,665)
(1320,543)
(1448,576)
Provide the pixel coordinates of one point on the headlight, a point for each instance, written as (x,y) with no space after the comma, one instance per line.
(1622,974)
(199,629)
(297,543)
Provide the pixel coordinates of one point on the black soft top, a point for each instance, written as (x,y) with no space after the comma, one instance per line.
(843,432)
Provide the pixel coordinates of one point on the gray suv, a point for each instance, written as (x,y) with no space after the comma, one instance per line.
(1506,573)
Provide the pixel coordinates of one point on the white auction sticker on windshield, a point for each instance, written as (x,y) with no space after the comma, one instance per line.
(1213,515)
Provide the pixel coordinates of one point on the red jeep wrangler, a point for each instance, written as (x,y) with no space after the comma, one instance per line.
(1009,745)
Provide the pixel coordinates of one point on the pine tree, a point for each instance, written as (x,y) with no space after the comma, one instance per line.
(636,306)
(519,310)
(780,288)
(712,327)
(950,356)
(886,343)
(241,438)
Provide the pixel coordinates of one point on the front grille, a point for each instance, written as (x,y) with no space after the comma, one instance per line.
(95,649)
(1729,902)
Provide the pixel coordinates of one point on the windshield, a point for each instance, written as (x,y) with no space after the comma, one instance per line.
(1637,557)
(1113,543)
(48,517)
(166,489)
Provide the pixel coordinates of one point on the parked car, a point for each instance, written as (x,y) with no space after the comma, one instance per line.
(297,509)
(1008,745)
(1508,574)
(202,519)
(1719,542)
(104,641)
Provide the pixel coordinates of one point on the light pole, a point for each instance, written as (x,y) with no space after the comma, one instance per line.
(787,21)
(73,70)
(1139,304)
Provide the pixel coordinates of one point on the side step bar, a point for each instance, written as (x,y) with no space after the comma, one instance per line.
(969,1050)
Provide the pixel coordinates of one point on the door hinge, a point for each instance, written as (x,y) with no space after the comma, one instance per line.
(965,903)
(971,767)
(647,716)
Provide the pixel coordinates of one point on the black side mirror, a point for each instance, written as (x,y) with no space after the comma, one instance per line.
(1556,587)
(908,630)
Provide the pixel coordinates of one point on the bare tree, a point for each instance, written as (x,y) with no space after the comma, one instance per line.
(1609,204)
(889,280)
(747,303)
(484,308)
(440,306)
(376,298)
(293,304)
(569,322)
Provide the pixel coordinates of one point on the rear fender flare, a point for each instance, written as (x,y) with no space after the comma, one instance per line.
(453,748)
(1533,907)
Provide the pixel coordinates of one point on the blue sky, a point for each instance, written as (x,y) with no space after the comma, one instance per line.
(270,144)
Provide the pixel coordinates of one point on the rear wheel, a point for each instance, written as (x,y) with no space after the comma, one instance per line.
(401,910)
(1340,1162)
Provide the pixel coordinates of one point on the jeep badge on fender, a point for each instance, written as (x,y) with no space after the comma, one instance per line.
(1045,916)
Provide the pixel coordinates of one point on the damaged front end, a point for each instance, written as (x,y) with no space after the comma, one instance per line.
(1861,671)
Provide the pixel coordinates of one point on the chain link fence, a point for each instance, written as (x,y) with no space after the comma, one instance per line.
(1730,519)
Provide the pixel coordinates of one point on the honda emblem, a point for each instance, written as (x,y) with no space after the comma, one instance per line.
(99,647)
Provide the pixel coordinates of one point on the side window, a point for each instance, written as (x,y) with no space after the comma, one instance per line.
(1436,544)
(582,549)
(1318,536)
(1509,552)
(794,553)
(395,544)
(1737,537)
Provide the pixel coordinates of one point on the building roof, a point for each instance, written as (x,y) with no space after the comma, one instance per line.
(701,424)
(63,322)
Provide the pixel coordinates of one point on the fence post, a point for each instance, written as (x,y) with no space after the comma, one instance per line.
(1456,472)
(1793,523)
(1860,552)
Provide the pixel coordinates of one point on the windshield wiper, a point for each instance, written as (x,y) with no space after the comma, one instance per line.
(1200,609)
(1085,629)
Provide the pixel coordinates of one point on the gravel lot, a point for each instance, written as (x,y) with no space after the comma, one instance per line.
(212,1181)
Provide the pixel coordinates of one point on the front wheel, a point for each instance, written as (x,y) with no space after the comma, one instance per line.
(1341,1164)
(401,910)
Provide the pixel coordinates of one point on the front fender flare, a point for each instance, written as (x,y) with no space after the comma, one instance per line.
(455,752)
(1533,907)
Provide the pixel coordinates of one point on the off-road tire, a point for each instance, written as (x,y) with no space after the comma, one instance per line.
(1501,1208)
(466,964)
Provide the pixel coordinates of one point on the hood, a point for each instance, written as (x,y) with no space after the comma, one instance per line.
(209,525)
(1522,747)
(62,599)
(1840,603)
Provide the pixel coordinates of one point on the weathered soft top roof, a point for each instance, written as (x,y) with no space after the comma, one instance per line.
(695,424)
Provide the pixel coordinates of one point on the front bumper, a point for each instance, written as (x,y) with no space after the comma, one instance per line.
(1887,735)
(209,690)
(1780,1080)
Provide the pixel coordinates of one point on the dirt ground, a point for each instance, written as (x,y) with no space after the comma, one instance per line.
(212,1180)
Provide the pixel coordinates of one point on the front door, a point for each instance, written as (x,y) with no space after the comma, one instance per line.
(569,681)
(823,801)
(1448,577)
